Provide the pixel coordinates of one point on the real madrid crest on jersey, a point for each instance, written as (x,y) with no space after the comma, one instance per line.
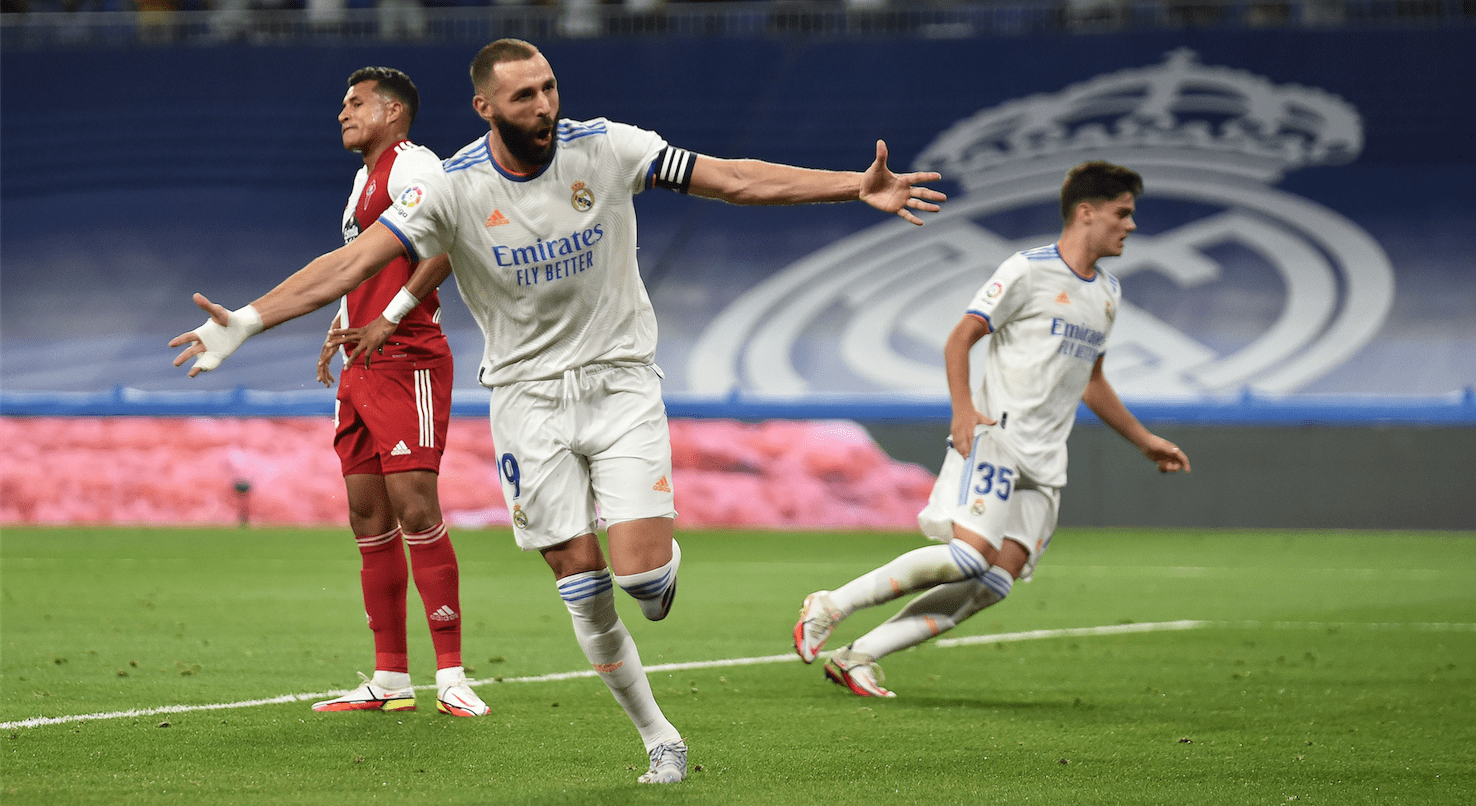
(582,198)
(520,518)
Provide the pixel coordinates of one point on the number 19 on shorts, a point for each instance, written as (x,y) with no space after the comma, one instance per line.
(510,472)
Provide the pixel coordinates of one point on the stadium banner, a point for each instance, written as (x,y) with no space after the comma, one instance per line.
(1305,236)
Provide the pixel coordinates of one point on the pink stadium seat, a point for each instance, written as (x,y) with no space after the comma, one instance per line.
(159,470)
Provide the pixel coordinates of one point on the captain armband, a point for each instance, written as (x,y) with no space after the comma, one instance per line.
(403,303)
(672,169)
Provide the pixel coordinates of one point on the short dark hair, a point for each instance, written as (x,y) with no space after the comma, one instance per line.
(503,50)
(393,83)
(1096,182)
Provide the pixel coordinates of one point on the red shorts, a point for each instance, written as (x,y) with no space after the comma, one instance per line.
(391,419)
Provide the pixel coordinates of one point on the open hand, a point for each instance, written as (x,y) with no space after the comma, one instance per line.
(220,316)
(898,193)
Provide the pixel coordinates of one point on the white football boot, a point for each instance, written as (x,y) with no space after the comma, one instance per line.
(818,617)
(455,697)
(668,764)
(857,672)
(371,696)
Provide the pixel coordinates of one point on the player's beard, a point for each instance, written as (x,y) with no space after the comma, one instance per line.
(520,143)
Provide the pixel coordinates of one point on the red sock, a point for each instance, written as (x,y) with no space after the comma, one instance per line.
(385,577)
(439,583)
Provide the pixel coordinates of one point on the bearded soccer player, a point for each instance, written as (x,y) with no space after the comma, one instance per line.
(538,218)
(1047,312)
(391,417)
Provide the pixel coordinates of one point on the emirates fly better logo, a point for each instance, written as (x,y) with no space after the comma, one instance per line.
(1210,143)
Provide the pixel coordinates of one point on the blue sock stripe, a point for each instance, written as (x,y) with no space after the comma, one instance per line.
(584,587)
(999,581)
(967,561)
(649,590)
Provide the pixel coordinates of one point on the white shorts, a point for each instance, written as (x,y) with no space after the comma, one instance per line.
(592,445)
(987,495)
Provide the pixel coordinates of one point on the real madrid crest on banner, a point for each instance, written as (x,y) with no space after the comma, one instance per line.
(1210,142)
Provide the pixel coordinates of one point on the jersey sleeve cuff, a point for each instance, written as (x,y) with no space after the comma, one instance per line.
(981,316)
(404,239)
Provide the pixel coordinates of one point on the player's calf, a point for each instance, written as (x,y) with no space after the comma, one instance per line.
(654,590)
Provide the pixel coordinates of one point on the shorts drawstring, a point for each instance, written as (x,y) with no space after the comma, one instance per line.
(573,384)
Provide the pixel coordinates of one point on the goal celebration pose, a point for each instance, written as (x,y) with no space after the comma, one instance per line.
(1047,312)
(538,218)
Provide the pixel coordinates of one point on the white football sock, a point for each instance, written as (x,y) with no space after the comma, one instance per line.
(917,569)
(391,680)
(654,590)
(449,676)
(935,612)
(590,597)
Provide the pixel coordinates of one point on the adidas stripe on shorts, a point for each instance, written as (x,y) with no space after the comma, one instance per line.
(392,419)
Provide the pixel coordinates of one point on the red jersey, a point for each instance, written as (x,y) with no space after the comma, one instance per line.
(418,341)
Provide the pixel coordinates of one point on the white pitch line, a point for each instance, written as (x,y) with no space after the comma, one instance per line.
(1029,635)
(1115,629)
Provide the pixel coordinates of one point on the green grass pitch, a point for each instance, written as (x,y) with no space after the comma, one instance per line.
(1311,667)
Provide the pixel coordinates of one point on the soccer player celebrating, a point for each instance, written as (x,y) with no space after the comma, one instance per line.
(390,420)
(1048,311)
(538,218)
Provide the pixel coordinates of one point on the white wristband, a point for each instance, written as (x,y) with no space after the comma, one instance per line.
(403,303)
(222,340)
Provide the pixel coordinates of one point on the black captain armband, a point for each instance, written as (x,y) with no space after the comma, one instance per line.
(671,169)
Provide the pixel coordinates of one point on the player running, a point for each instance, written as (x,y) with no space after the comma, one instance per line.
(539,220)
(1048,311)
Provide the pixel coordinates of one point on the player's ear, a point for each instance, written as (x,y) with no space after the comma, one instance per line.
(482,107)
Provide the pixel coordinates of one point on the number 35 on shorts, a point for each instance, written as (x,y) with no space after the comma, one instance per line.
(997,479)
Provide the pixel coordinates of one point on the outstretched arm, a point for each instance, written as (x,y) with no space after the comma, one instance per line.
(956,350)
(319,283)
(371,338)
(757,182)
(1102,399)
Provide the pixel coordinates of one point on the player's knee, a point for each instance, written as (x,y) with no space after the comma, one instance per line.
(970,561)
(577,556)
(417,516)
(1012,557)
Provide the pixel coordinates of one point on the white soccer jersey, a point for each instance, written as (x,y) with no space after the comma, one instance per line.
(545,262)
(1048,325)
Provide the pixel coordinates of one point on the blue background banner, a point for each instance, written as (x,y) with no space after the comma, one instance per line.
(132,178)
